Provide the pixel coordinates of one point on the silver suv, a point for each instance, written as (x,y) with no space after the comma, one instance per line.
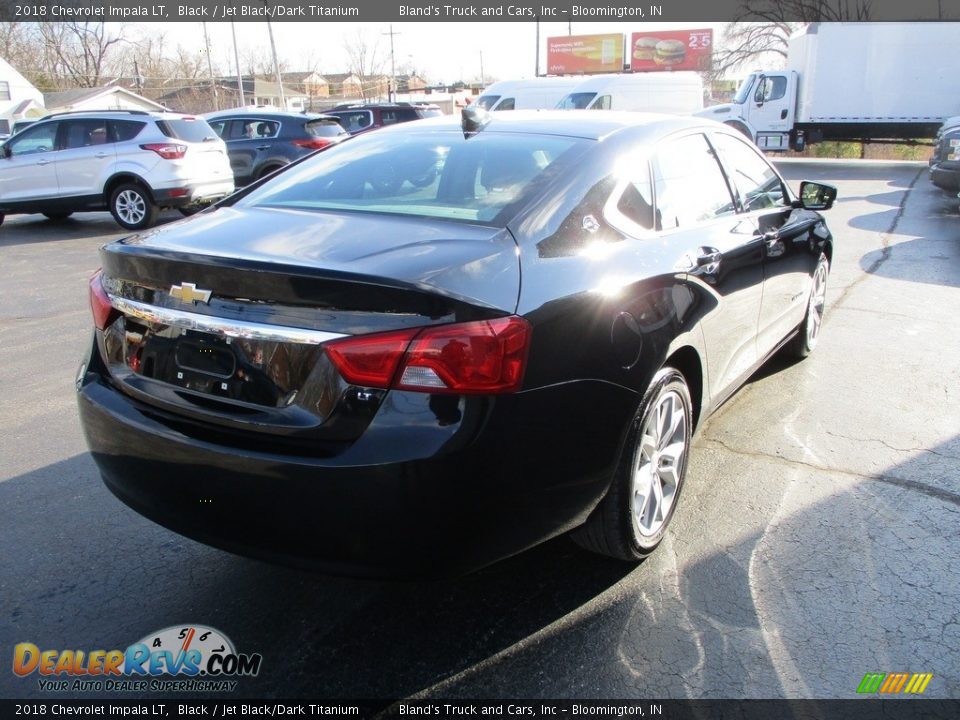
(131,162)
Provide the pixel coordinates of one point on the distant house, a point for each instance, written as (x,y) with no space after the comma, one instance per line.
(258,91)
(111,97)
(200,97)
(310,83)
(410,83)
(19,99)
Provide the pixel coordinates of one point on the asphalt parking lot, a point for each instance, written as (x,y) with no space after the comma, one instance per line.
(816,540)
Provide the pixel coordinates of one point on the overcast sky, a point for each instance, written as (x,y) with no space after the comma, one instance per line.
(443,51)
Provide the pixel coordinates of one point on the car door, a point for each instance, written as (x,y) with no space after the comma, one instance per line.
(718,250)
(245,145)
(28,169)
(86,154)
(784,231)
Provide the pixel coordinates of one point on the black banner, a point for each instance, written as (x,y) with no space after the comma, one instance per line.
(866,709)
(474,11)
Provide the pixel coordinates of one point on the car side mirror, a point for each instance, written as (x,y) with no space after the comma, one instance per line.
(5,151)
(816,196)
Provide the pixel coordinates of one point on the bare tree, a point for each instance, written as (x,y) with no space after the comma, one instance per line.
(745,42)
(364,60)
(24,50)
(807,11)
(79,52)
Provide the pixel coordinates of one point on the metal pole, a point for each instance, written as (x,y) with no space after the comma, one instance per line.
(393,68)
(236,59)
(213,85)
(536,72)
(481,67)
(276,66)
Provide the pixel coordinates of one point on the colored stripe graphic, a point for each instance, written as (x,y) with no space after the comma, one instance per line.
(871,682)
(918,683)
(894,683)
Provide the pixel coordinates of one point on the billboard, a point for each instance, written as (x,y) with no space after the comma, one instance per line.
(671,50)
(575,54)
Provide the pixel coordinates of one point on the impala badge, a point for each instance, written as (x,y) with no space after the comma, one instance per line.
(188,292)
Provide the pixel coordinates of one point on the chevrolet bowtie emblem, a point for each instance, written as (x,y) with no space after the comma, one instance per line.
(188,292)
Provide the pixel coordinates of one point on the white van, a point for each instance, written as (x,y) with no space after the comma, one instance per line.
(536,94)
(666,92)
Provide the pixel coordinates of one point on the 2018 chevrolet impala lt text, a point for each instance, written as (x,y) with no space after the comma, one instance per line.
(445,342)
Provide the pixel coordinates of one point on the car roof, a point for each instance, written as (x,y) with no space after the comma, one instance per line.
(587,124)
(84,114)
(265,115)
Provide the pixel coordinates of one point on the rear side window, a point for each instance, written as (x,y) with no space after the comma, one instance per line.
(82,133)
(187,129)
(689,185)
(123,130)
(354,121)
(636,202)
(324,128)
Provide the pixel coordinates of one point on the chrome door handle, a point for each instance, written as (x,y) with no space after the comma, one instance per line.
(100,155)
(263,147)
(43,162)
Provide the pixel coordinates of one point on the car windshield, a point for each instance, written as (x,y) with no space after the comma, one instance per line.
(744,91)
(576,101)
(190,129)
(485,102)
(324,128)
(428,174)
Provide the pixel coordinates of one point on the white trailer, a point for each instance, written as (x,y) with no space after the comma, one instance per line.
(667,92)
(869,82)
(540,93)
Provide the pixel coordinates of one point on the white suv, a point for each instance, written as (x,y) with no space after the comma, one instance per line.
(130,162)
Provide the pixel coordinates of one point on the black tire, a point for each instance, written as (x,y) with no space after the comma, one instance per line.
(267,170)
(741,128)
(132,207)
(57,216)
(2,218)
(190,210)
(808,332)
(615,528)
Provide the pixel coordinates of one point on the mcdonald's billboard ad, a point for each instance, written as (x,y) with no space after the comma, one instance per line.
(575,54)
(671,50)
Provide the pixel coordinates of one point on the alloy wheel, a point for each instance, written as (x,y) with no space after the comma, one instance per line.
(658,464)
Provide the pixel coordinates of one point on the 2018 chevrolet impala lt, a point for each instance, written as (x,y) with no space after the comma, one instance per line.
(442,343)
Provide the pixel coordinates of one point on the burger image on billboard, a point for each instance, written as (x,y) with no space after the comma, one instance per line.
(669,52)
(644,48)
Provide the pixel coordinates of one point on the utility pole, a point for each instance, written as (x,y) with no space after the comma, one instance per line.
(482,82)
(391,89)
(213,84)
(276,65)
(536,72)
(236,59)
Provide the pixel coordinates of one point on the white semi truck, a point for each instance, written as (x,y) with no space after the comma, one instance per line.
(869,82)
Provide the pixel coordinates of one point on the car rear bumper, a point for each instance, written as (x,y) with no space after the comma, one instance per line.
(946,177)
(431,498)
(186,194)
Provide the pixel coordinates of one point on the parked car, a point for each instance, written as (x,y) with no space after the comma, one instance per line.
(341,366)
(259,142)
(945,160)
(132,163)
(370,116)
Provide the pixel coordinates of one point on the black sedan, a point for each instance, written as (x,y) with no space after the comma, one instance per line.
(442,343)
(261,141)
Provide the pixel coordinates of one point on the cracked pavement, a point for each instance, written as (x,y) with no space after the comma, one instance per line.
(816,539)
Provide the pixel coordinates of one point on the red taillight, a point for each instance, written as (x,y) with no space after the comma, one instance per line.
(485,356)
(313,143)
(100,302)
(168,151)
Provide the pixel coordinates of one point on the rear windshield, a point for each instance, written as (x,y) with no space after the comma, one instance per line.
(429,112)
(428,174)
(325,128)
(576,101)
(485,102)
(188,129)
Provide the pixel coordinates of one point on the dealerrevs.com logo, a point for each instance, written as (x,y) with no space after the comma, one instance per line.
(184,658)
